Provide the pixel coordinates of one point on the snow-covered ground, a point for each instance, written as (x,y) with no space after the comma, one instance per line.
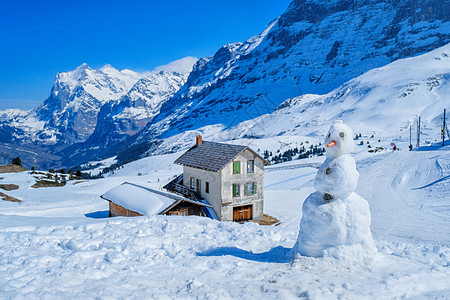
(57,244)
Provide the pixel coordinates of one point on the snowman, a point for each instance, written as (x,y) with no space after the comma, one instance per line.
(336,220)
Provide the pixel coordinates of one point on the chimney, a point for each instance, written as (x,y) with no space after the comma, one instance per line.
(198,140)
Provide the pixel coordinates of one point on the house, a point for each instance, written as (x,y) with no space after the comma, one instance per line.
(131,200)
(229,177)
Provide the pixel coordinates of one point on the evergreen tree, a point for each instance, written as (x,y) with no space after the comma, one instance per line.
(17,161)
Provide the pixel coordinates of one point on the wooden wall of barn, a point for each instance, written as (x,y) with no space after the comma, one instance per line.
(120,211)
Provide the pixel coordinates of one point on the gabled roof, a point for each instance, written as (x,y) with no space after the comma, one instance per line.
(212,156)
(144,200)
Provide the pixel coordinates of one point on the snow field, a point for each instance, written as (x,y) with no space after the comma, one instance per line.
(52,250)
(174,257)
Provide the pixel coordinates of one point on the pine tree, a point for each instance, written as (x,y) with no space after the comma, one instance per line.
(17,161)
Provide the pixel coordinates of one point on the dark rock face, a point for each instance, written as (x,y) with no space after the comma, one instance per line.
(71,124)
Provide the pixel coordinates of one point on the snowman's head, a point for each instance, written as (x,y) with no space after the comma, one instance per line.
(339,139)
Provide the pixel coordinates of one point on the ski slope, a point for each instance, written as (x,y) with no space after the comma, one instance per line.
(56,245)
(409,194)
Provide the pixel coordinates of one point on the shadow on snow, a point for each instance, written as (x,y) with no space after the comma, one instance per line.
(98,214)
(275,255)
(433,183)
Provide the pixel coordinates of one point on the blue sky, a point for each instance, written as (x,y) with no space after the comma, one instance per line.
(41,38)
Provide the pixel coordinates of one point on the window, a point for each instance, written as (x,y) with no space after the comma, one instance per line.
(192,183)
(236,188)
(207,187)
(250,188)
(250,166)
(236,167)
(199,186)
(184,212)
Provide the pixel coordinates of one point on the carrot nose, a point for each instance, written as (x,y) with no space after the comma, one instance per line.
(331,144)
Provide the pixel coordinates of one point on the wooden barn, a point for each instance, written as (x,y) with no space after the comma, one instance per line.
(132,200)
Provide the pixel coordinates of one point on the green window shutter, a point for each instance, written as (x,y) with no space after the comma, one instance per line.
(235,190)
(255,185)
(236,167)
(246,189)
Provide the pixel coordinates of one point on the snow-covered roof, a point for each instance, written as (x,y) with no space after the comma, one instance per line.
(144,200)
(212,156)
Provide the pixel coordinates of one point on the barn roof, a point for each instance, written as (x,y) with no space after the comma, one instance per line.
(212,156)
(145,200)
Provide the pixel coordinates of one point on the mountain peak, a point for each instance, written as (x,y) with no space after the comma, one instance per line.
(108,68)
(82,67)
(76,75)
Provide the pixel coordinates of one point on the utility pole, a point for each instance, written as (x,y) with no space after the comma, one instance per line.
(410,144)
(418,133)
(443,129)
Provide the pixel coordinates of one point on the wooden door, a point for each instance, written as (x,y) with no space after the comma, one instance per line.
(242,213)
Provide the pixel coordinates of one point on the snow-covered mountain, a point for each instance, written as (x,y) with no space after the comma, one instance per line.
(383,102)
(314,47)
(93,108)
(142,102)
(118,120)
(69,114)
(77,97)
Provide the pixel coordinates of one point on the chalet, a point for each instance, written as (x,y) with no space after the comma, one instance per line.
(131,200)
(229,177)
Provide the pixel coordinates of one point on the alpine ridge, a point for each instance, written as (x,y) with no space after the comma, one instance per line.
(313,48)
(89,110)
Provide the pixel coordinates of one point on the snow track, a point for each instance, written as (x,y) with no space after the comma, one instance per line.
(409,196)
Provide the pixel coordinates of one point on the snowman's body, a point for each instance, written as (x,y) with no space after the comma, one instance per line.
(335,216)
(337,176)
